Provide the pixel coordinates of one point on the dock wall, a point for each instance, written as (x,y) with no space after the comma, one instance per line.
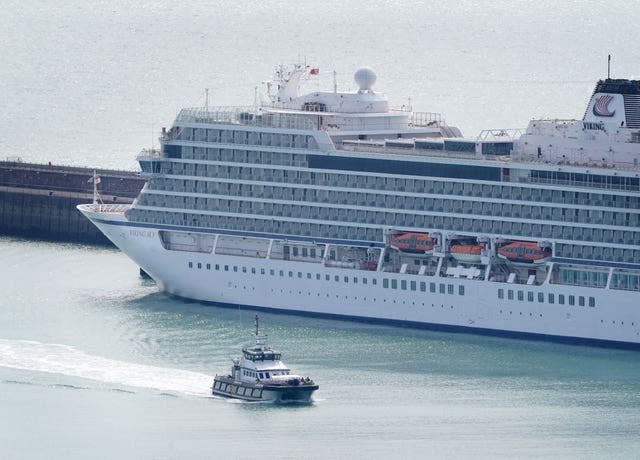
(39,201)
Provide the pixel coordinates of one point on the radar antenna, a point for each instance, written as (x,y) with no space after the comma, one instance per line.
(609,67)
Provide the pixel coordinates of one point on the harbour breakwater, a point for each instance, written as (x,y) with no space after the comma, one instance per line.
(39,200)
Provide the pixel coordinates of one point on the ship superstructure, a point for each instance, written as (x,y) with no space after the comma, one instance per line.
(333,203)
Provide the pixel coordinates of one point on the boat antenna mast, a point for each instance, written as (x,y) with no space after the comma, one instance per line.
(261,340)
(609,67)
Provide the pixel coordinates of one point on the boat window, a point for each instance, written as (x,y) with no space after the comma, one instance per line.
(267,374)
(551,298)
(190,264)
(500,293)
(299,274)
(461,290)
(432,287)
(385,282)
(530,296)
(581,301)
(450,289)
(520,295)
(441,288)
(540,297)
(403,285)
(261,375)
(281,273)
(592,301)
(572,300)
(374,281)
(394,284)
(346,279)
(423,286)
(413,285)
(510,294)
(561,299)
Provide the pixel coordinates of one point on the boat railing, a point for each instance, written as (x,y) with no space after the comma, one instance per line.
(429,119)
(109,208)
(244,115)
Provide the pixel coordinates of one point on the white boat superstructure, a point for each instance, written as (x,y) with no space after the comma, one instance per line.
(332,203)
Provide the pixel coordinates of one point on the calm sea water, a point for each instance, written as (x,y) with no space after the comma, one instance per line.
(95,363)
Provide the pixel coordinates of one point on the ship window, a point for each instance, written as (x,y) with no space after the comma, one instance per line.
(510,294)
(272,272)
(561,299)
(327,277)
(304,252)
(244,269)
(309,276)
(190,264)
(540,297)
(253,270)
(500,293)
(551,298)
(295,250)
(374,281)
(450,288)
(572,300)
(581,301)
(413,285)
(441,288)
(281,272)
(521,295)
(313,252)
(394,284)
(337,278)
(208,266)
(385,283)
(592,301)
(423,286)
(217,267)
(290,274)
(530,296)
(261,375)
(299,274)
(364,281)
(346,279)
(317,276)
(403,285)
(461,290)
(432,287)
(355,280)
(235,268)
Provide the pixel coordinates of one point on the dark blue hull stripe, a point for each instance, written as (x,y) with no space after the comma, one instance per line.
(435,327)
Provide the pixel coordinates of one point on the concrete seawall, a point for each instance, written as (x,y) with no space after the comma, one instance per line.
(39,201)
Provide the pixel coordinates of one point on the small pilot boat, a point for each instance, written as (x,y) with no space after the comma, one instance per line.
(417,243)
(524,253)
(260,375)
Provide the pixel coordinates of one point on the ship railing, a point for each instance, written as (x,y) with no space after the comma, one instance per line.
(110,208)
(247,115)
(427,119)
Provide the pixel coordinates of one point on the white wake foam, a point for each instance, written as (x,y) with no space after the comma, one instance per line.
(67,360)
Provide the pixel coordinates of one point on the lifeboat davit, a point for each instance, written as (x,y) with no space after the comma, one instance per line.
(466,252)
(524,253)
(417,243)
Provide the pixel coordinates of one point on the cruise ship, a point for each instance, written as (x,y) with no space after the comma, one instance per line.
(332,203)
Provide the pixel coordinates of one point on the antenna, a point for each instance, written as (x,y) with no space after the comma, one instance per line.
(609,68)
(206,99)
(335,82)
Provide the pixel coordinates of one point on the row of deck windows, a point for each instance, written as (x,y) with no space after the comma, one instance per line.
(377,182)
(362,233)
(551,298)
(387,283)
(382,215)
(226,136)
(411,285)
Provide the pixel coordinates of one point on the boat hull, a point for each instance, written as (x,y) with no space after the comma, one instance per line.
(258,392)
(446,303)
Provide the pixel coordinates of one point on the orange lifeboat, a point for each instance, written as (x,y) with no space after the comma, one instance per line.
(524,253)
(465,252)
(418,243)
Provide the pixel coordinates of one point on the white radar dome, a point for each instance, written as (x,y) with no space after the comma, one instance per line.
(365,78)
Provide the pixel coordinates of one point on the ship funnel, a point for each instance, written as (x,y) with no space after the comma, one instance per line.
(615,102)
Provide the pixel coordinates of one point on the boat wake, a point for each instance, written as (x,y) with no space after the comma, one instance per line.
(69,361)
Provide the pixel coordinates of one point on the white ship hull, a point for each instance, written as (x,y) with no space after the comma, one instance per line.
(612,321)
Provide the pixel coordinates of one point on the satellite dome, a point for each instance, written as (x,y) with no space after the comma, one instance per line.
(365,78)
